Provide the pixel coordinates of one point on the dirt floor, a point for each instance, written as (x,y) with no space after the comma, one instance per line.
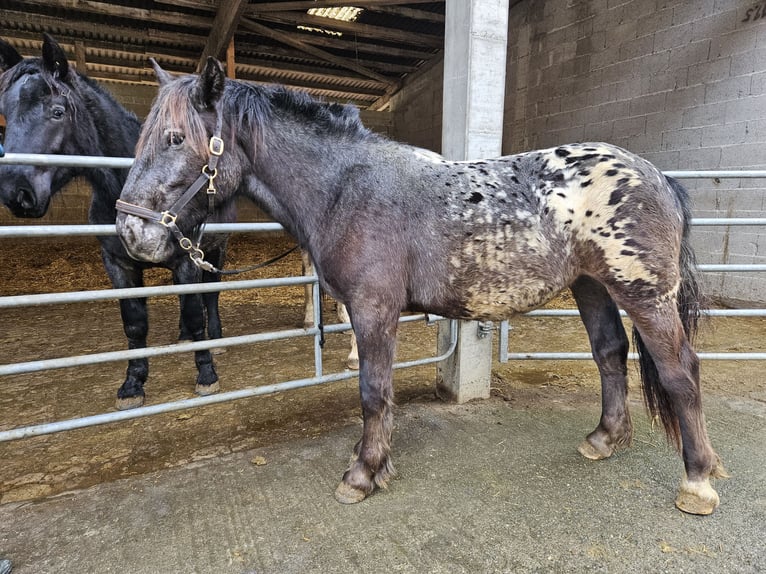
(51,464)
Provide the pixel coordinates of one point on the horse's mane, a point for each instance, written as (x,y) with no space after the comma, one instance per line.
(247,108)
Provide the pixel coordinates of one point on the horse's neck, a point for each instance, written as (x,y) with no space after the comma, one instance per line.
(117,129)
(297,175)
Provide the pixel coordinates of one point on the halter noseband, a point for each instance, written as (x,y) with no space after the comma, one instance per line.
(169,216)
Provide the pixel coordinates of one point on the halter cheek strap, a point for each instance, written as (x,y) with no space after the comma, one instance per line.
(168,217)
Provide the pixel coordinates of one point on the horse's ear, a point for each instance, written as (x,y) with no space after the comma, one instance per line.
(210,84)
(163,77)
(9,57)
(54,59)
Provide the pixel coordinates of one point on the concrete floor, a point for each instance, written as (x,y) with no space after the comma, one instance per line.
(483,487)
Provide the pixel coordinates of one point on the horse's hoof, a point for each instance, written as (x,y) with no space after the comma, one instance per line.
(697,497)
(205,390)
(128,403)
(346,494)
(595,452)
(353,364)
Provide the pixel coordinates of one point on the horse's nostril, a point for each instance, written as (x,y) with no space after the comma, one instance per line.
(25,197)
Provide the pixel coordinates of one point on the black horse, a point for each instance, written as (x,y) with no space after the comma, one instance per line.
(393,228)
(52,109)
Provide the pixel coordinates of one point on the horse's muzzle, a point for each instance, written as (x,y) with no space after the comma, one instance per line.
(143,240)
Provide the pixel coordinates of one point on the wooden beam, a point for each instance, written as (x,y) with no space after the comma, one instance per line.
(359,30)
(79,57)
(410,13)
(115,10)
(231,66)
(365,47)
(222,31)
(309,49)
(306,4)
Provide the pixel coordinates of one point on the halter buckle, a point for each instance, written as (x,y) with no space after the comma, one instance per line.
(168,218)
(216,145)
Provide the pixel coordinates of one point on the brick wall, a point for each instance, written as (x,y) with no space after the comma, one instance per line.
(680,83)
(417,109)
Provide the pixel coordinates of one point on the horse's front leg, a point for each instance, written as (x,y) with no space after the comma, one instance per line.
(125,273)
(371,464)
(193,319)
(217,256)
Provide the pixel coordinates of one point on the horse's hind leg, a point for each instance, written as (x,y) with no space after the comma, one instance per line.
(371,464)
(671,381)
(352,361)
(609,344)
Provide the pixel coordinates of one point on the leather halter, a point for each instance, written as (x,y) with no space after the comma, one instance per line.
(169,216)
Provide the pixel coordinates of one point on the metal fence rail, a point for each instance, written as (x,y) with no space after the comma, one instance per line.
(504,355)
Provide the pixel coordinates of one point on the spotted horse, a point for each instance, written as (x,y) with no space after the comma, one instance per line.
(394,228)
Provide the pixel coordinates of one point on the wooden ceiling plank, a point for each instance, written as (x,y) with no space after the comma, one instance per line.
(114,10)
(222,30)
(306,4)
(362,30)
(365,47)
(309,49)
(411,13)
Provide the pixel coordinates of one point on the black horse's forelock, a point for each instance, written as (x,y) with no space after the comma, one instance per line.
(245,108)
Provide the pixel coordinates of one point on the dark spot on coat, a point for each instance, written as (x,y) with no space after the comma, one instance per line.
(616,197)
(611,172)
(623,181)
(476,197)
(588,213)
(627,252)
(564,195)
(561,152)
(514,179)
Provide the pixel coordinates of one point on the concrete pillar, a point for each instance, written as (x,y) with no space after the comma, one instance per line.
(475,45)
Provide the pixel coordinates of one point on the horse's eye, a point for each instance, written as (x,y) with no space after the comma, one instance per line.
(57,112)
(175,139)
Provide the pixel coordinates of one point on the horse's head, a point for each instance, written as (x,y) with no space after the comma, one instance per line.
(174,148)
(38,99)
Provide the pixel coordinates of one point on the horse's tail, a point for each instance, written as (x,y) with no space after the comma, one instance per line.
(690,303)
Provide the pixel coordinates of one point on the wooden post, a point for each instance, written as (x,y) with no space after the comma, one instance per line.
(231,71)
